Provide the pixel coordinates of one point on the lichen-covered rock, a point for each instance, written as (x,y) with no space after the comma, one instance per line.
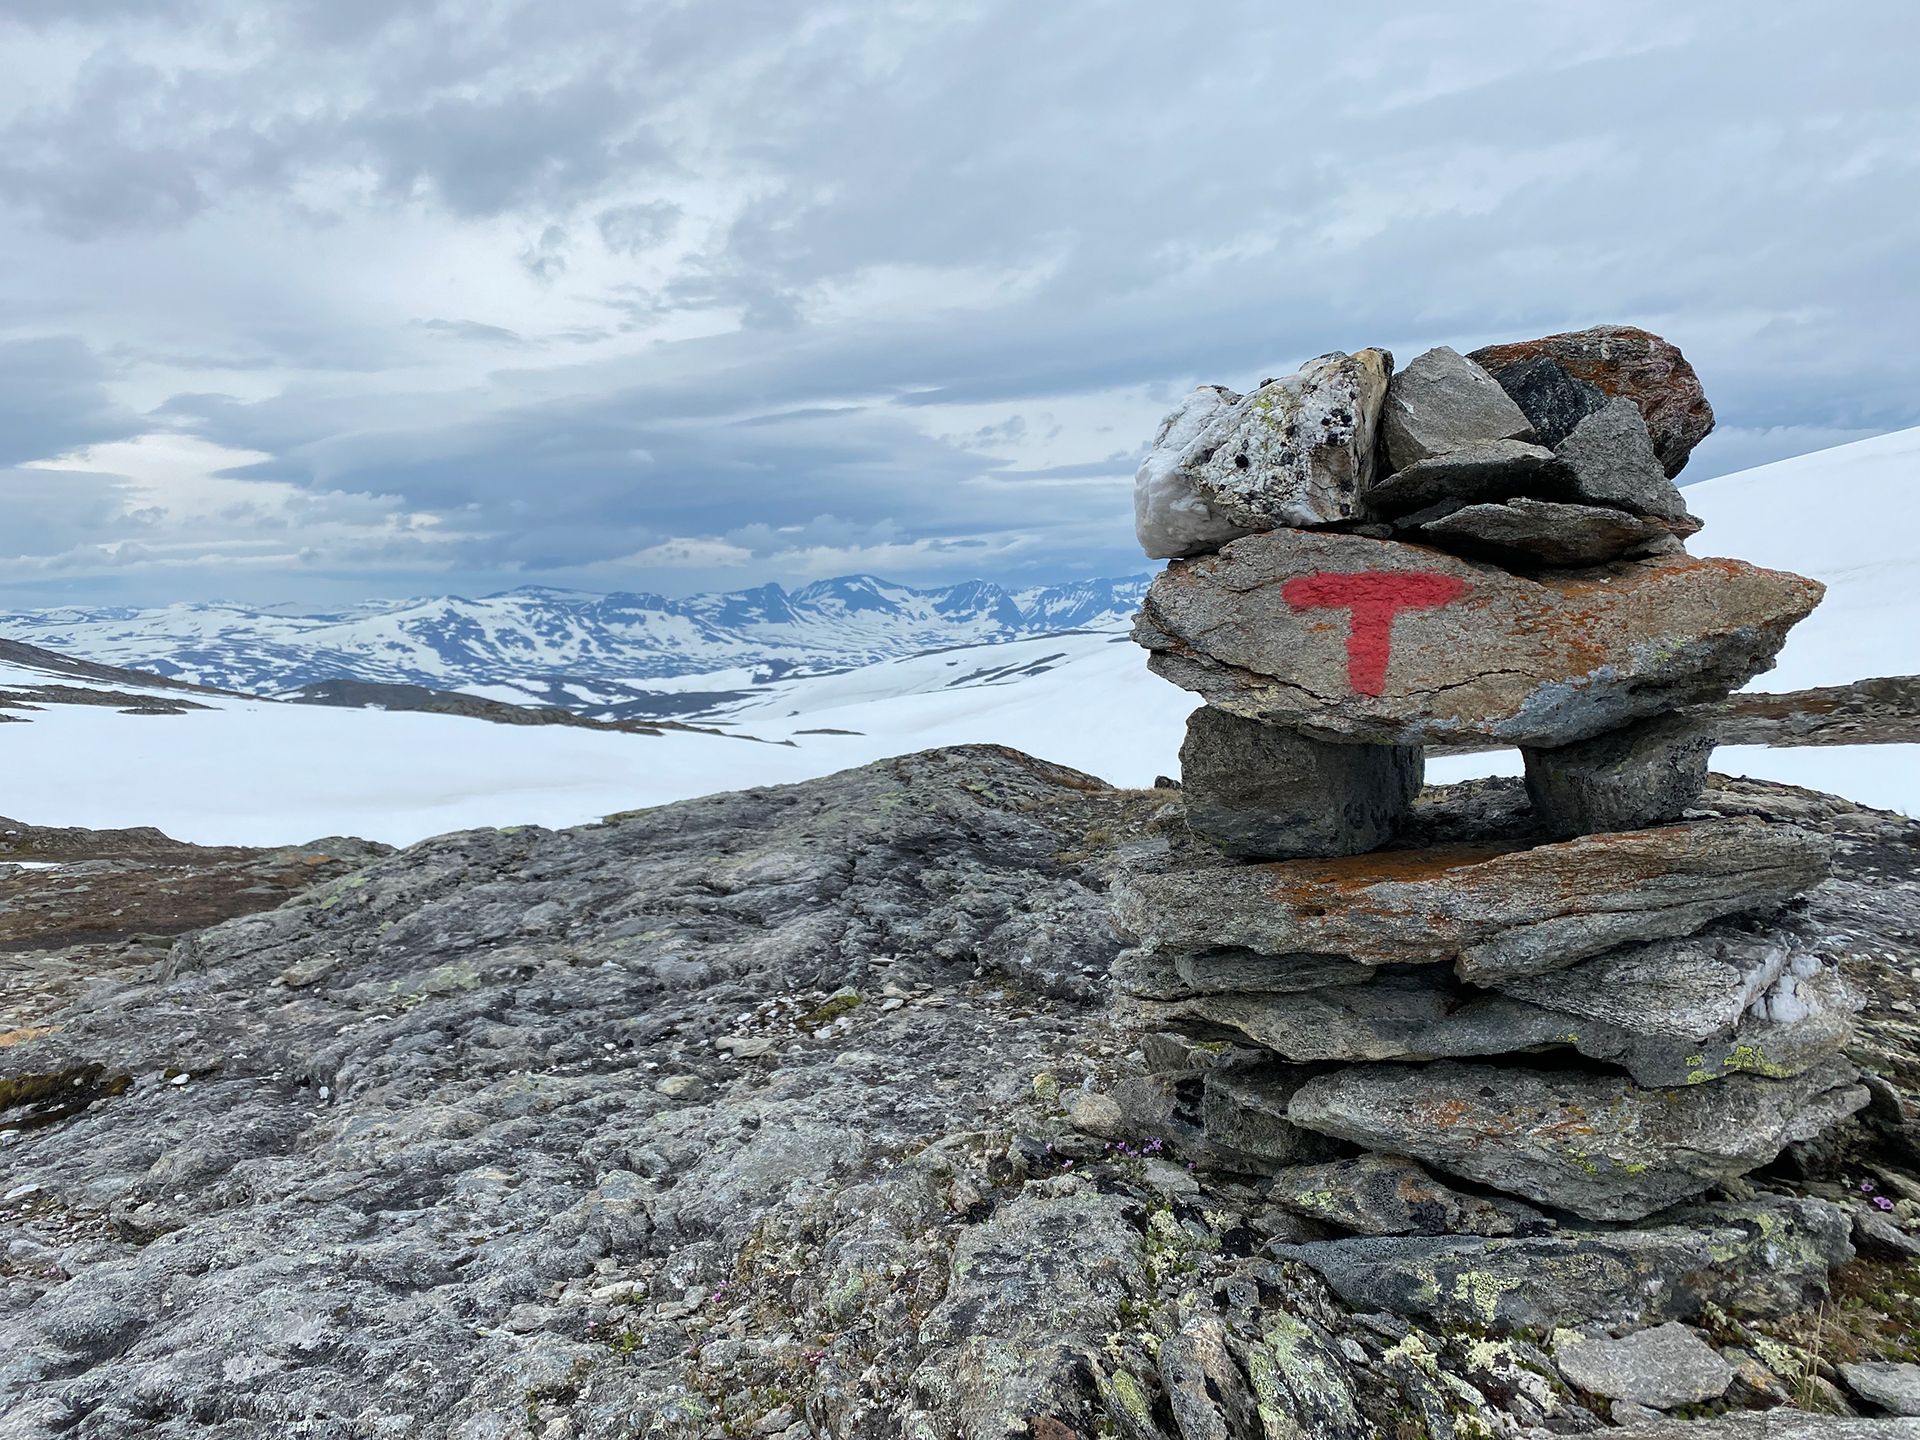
(1169,518)
(416,1169)
(1296,451)
(1386,1195)
(1352,638)
(1443,401)
(1583,1142)
(1668,1271)
(1664,1366)
(1559,379)
(1724,1001)
(1530,532)
(1301,1385)
(1246,1111)
(1025,1287)
(1609,460)
(1258,792)
(1427,1015)
(1643,774)
(1489,911)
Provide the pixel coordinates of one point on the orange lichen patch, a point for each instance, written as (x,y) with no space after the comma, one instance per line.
(9,1038)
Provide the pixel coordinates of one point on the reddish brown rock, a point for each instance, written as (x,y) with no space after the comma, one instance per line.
(1489,911)
(1349,638)
(1602,362)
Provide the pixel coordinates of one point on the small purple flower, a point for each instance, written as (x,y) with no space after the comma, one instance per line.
(1883,1202)
(1866,1187)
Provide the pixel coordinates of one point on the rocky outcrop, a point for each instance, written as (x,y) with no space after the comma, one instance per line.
(760,1113)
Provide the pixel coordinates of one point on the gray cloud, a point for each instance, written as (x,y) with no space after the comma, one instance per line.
(52,400)
(895,279)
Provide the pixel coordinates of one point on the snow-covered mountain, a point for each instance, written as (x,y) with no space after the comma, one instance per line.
(528,637)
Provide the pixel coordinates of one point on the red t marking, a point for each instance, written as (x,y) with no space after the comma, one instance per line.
(1373,598)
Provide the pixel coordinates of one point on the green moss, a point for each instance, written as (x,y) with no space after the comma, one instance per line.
(829,1010)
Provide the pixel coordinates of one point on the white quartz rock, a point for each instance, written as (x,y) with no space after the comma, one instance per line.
(1170,519)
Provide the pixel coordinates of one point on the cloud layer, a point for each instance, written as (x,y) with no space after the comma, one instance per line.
(336,297)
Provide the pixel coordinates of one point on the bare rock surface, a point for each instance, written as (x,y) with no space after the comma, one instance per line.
(1894,1388)
(1386,1195)
(1443,401)
(397,1150)
(694,1121)
(1662,1367)
(1544,532)
(1611,461)
(1644,774)
(1578,1141)
(1259,792)
(1373,640)
(1489,911)
(1559,379)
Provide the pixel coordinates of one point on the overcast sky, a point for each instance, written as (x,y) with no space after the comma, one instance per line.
(314,300)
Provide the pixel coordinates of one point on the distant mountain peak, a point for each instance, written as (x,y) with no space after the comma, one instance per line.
(572,636)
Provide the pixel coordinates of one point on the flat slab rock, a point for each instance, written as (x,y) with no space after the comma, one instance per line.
(1892,1387)
(1768,1256)
(1491,913)
(1588,1143)
(1701,1006)
(1782,1424)
(1421,1014)
(1545,532)
(1664,1366)
(1347,637)
(1387,1195)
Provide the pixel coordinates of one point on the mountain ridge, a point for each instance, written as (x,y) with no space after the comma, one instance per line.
(542,632)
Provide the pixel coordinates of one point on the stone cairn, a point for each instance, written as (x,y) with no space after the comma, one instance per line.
(1558,1013)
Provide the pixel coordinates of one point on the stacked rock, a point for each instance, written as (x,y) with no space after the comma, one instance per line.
(1577,1002)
